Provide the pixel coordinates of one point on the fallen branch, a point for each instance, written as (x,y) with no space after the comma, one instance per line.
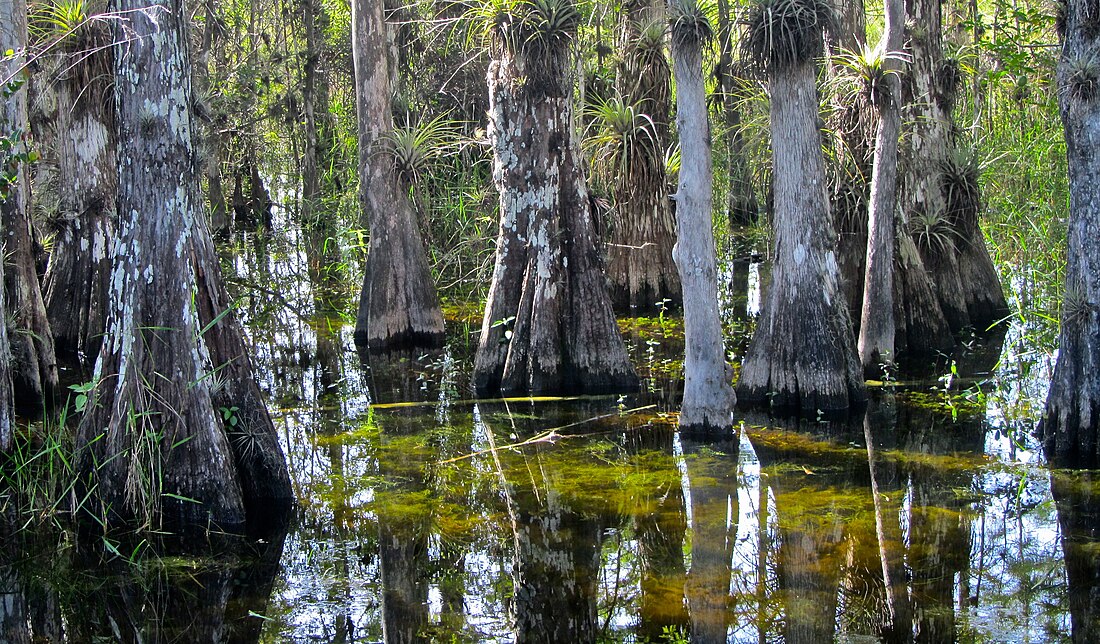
(547,436)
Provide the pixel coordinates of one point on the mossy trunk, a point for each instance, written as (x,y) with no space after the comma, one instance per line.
(548,324)
(803,355)
(1071,425)
(640,268)
(154,442)
(708,391)
(398,305)
(80,264)
(33,365)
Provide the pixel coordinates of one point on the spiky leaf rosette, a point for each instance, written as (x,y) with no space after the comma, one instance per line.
(689,22)
(782,33)
(531,26)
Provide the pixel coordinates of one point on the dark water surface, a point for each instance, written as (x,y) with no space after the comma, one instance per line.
(427,516)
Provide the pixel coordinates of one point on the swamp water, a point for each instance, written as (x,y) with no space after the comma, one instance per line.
(426,516)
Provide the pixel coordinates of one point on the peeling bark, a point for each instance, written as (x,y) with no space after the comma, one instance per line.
(1071,426)
(33,365)
(803,355)
(398,305)
(708,391)
(80,264)
(548,324)
(639,256)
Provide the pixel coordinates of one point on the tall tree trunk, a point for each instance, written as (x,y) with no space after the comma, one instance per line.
(803,355)
(548,323)
(212,140)
(154,441)
(398,305)
(741,205)
(1071,425)
(8,69)
(33,365)
(928,143)
(708,391)
(317,126)
(877,329)
(849,168)
(80,264)
(639,256)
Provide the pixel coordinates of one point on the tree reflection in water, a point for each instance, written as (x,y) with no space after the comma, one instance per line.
(905,526)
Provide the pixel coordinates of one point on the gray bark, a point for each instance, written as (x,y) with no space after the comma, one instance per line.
(929,121)
(803,355)
(877,329)
(742,205)
(548,324)
(153,442)
(966,282)
(80,264)
(10,114)
(639,256)
(33,365)
(1071,425)
(708,392)
(398,305)
(852,123)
